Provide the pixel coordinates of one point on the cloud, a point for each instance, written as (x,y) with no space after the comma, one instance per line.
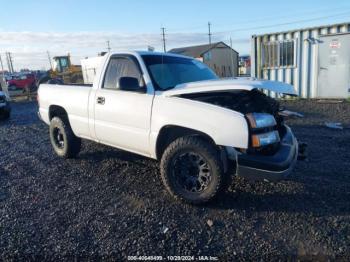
(29,49)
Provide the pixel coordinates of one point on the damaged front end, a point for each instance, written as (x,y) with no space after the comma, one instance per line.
(249,103)
(273,149)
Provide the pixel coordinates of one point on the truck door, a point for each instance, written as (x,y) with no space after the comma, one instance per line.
(122,118)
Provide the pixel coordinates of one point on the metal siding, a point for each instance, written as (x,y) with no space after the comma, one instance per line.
(304,64)
(265,72)
(280,71)
(334,30)
(314,66)
(287,74)
(258,57)
(222,58)
(300,62)
(296,71)
(304,75)
(273,72)
(253,57)
(324,31)
(343,29)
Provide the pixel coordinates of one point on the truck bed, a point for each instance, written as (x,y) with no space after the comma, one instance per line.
(72,98)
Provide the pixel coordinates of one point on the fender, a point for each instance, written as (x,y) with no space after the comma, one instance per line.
(199,116)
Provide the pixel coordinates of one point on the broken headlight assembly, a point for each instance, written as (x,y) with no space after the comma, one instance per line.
(263,133)
(260,120)
(265,139)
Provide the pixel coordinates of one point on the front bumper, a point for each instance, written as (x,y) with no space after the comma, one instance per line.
(271,168)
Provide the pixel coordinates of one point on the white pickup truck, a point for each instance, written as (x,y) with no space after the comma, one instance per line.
(175,109)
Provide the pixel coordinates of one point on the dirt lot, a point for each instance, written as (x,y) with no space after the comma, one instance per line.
(111,204)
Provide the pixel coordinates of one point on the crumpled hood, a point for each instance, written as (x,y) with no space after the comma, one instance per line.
(230,84)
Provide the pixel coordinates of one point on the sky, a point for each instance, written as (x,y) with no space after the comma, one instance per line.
(28,29)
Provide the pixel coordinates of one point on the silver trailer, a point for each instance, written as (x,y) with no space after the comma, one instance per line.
(315,60)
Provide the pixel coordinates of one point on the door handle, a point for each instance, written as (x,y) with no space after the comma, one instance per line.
(323,68)
(101,100)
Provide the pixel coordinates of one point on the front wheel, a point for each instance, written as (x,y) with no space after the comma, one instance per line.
(191,170)
(63,140)
(6,115)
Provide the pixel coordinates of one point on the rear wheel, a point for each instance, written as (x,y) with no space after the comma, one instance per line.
(191,170)
(63,140)
(7,115)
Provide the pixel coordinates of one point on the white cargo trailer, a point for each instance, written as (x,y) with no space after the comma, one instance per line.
(315,60)
(89,67)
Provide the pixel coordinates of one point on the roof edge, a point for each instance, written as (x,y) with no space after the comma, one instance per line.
(301,29)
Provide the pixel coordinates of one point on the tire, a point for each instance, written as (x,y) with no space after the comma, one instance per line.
(62,138)
(192,181)
(7,115)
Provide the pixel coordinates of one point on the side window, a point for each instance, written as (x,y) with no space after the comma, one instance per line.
(120,67)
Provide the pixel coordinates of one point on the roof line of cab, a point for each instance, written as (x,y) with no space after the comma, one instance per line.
(150,53)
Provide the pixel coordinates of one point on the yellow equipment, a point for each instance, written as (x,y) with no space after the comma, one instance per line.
(63,72)
(63,68)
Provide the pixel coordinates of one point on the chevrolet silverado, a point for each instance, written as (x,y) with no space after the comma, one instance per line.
(174,109)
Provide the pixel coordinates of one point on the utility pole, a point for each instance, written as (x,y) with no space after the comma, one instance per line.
(163,38)
(9,62)
(108,46)
(48,55)
(209,32)
(2,65)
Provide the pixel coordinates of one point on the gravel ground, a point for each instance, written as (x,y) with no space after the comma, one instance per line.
(111,204)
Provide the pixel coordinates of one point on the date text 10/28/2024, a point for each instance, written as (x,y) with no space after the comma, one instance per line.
(173,258)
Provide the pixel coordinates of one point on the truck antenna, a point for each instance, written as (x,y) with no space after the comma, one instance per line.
(108,46)
(163,39)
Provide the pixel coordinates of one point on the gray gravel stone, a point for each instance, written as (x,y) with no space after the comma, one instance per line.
(110,204)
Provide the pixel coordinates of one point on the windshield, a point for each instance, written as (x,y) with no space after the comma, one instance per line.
(169,71)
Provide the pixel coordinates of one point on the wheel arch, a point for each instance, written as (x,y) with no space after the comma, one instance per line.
(169,133)
(55,110)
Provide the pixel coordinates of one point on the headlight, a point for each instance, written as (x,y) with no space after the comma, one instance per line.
(260,120)
(265,139)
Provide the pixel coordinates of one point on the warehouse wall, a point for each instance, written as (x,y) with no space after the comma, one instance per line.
(304,75)
(221,57)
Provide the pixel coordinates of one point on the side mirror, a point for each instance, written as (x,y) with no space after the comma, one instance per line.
(130,84)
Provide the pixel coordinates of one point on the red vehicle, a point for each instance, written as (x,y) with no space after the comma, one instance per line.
(22,82)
